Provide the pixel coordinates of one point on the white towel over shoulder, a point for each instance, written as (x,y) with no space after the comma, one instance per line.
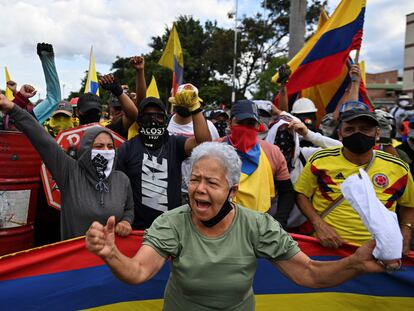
(382,223)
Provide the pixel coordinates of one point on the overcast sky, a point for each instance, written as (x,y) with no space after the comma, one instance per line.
(124,28)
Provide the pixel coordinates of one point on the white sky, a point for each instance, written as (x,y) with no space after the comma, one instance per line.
(124,28)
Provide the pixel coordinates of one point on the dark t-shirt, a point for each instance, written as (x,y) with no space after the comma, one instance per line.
(118,128)
(155,176)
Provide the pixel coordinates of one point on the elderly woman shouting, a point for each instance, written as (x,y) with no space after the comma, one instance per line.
(214,244)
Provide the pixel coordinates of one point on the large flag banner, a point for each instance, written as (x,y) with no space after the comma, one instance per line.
(92,85)
(65,276)
(9,93)
(324,59)
(173,59)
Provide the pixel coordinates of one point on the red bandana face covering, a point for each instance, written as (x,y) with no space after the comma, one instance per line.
(243,138)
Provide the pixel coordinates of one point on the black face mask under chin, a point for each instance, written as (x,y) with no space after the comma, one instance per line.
(358,143)
(223,212)
(182,111)
(89,118)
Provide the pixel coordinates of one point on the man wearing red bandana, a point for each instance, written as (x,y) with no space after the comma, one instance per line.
(264,170)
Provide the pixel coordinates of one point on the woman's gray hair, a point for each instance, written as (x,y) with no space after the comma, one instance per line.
(224,153)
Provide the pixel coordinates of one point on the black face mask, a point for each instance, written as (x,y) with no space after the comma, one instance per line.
(182,111)
(152,131)
(89,117)
(221,127)
(286,143)
(358,143)
(223,212)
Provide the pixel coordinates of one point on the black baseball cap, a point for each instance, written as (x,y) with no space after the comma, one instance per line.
(88,102)
(358,113)
(244,109)
(151,101)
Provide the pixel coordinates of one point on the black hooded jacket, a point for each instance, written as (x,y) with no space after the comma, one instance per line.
(85,198)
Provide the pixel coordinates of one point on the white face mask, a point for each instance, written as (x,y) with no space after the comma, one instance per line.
(108,155)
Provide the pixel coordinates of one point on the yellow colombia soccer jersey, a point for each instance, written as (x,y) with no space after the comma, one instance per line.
(327,169)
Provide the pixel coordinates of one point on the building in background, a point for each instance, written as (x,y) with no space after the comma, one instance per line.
(408,76)
(384,88)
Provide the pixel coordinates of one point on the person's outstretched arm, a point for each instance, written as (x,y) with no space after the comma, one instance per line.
(111,83)
(44,109)
(201,133)
(100,240)
(318,274)
(56,160)
(138,64)
(355,73)
(316,139)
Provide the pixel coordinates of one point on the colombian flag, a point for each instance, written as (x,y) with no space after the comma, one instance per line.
(65,276)
(173,59)
(92,85)
(324,59)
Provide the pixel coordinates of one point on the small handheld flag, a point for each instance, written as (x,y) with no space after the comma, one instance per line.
(92,85)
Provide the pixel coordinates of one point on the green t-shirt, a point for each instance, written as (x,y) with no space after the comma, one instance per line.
(216,273)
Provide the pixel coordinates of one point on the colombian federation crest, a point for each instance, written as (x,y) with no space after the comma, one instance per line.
(380,180)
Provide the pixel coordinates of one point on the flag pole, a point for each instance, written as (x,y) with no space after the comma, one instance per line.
(356,59)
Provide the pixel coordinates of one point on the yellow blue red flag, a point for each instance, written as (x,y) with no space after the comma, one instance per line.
(65,276)
(92,85)
(9,93)
(173,59)
(324,59)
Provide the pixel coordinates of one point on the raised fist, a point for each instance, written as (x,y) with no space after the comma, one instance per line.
(45,49)
(111,83)
(27,91)
(137,62)
(284,74)
(355,73)
(12,86)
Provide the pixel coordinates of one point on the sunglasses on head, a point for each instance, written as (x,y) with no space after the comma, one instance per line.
(353,105)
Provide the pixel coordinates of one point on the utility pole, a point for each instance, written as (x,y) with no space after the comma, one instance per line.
(297,26)
(233,92)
